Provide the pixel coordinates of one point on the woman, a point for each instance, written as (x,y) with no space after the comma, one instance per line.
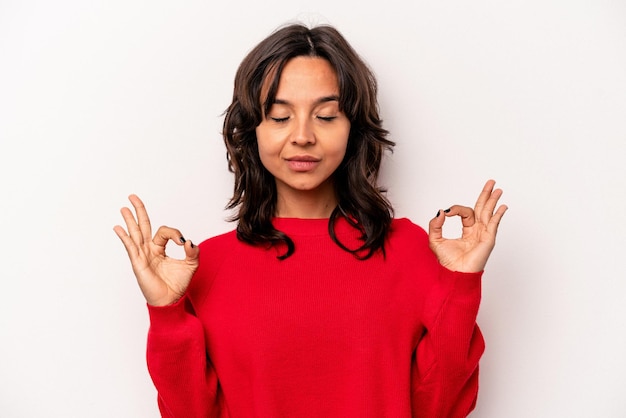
(320,303)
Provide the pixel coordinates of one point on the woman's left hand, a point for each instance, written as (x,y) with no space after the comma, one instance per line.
(470,252)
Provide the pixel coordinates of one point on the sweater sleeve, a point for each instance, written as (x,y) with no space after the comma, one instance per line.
(177,361)
(445,369)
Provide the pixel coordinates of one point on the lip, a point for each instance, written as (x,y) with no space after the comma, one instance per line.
(306,158)
(302,163)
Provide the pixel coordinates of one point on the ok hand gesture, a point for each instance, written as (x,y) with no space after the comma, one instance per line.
(470,252)
(163,280)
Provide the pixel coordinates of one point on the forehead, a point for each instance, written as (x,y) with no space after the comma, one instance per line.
(303,75)
(313,68)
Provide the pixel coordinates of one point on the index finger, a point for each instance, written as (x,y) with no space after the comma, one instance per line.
(468,216)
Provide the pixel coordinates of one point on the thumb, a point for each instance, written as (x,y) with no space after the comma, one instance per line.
(192,252)
(435,227)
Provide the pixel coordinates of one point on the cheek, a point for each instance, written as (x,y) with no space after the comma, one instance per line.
(340,150)
(261,139)
(267,148)
(341,142)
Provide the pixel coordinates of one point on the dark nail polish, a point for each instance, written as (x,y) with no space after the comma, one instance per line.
(182,240)
(447,210)
(438,212)
(193,246)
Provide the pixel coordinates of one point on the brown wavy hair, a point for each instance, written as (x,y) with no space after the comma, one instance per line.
(360,201)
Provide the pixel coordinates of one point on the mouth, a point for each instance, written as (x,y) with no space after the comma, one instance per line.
(303,158)
(302,163)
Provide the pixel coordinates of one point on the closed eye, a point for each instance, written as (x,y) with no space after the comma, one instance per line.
(327,118)
(279,120)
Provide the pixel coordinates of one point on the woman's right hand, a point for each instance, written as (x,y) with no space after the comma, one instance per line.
(163,280)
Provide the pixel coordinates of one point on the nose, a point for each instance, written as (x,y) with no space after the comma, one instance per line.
(303,133)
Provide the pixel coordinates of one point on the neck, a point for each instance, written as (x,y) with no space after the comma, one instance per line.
(307,204)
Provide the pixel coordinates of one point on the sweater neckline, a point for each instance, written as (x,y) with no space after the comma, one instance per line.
(303,226)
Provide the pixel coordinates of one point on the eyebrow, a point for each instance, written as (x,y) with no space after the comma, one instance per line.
(319,101)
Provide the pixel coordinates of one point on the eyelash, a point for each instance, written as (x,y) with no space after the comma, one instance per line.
(323,118)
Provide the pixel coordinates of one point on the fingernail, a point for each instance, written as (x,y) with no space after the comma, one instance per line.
(447,210)
(182,240)
(438,212)
(193,246)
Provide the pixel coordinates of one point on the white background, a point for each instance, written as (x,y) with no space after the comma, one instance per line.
(101,99)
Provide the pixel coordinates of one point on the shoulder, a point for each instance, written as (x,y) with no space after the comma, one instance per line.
(408,240)
(214,252)
(219,247)
(405,230)
(221,239)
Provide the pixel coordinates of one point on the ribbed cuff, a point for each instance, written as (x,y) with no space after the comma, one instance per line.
(167,317)
(460,281)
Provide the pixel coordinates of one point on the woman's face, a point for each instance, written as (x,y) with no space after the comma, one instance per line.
(303,138)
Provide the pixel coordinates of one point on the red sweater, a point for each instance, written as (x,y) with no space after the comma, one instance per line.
(320,334)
